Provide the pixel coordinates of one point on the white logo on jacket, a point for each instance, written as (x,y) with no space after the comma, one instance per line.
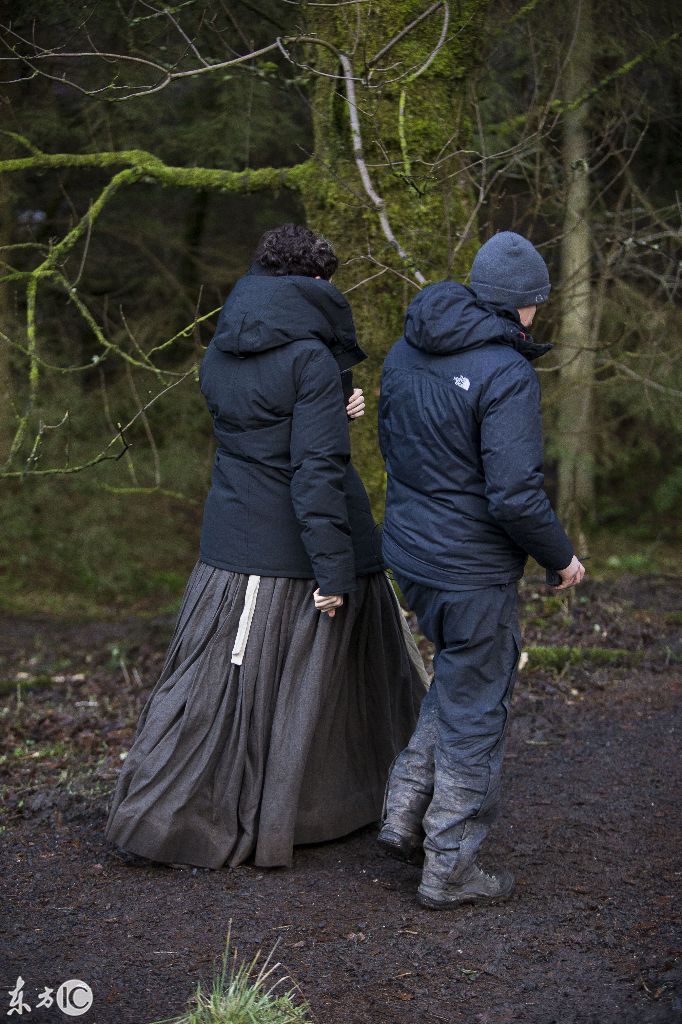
(462,382)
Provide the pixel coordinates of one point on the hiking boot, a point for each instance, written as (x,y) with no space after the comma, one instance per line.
(473,886)
(405,846)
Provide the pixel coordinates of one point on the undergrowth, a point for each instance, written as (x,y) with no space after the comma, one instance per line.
(245,993)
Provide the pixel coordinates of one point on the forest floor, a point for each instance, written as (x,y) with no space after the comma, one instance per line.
(590,825)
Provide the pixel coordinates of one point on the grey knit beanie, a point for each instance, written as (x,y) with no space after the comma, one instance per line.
(509,271)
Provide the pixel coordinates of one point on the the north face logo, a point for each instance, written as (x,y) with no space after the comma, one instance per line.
(462,382)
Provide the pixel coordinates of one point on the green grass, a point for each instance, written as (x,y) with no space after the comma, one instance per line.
(245,993)
(31,749)
(71,550)
(558,657)
(18,686)
(614,552)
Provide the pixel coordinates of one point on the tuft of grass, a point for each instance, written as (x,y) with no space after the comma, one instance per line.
(244,993)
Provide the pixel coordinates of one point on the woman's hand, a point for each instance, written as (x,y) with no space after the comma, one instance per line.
(356,404)
(327,604)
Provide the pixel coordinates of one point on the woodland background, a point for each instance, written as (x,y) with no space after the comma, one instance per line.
(144,149)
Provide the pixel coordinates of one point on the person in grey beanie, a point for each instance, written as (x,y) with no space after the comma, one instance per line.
(508,271)
(461,437)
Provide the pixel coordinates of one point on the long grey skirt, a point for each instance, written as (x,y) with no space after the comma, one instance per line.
(293,745)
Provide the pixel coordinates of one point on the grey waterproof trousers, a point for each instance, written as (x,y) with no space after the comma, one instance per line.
(447,780)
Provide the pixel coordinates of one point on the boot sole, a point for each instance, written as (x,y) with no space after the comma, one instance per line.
(488,901)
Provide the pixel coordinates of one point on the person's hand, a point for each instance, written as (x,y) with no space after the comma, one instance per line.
(356,404)
(329,604)
(572,574)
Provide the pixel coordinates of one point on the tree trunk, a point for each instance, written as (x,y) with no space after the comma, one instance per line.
(411,131)
(7,326)
(576,435)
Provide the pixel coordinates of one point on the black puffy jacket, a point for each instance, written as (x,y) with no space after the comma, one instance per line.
(285,499)
(461,435)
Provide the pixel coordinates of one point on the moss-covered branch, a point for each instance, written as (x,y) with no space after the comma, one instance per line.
(141,166)
(146,166)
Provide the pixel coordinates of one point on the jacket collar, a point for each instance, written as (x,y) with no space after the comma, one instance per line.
(514,333)
(447,317)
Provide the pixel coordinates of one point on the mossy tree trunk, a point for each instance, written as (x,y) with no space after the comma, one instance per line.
(412,127)
(410,64)
(576,434)
(7,326)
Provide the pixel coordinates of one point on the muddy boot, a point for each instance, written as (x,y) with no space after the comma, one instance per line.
(410,788)
(472,886)
(457,821)
(404,846)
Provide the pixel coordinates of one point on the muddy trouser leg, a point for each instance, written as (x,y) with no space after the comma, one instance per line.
(475,678)
(409,788)
(410,783)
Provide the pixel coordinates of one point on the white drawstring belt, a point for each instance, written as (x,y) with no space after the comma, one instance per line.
(245,620)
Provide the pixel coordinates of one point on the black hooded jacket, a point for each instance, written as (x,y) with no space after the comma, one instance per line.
(461,436)
(285,499)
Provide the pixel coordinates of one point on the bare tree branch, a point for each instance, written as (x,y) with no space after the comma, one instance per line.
(103,455)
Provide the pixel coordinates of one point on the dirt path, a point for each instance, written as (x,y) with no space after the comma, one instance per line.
(590,826)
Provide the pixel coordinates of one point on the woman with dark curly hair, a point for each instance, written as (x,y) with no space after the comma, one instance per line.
(291,680)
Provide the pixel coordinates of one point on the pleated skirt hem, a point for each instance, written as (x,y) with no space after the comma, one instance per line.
(237,761)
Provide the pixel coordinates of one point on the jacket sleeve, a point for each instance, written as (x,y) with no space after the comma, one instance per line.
(320,451)
(512,455)
(381,426)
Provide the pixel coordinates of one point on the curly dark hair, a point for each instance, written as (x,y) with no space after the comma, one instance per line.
(293,249)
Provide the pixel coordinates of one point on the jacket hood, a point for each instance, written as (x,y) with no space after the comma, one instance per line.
(447,317)
(265,311)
